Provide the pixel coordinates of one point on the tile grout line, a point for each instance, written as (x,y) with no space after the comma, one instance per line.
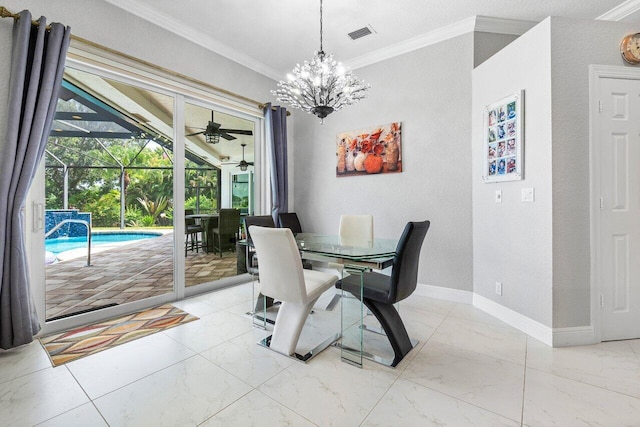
(524,380)
(451,395)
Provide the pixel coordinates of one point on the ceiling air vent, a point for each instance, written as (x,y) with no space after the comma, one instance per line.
(364,31)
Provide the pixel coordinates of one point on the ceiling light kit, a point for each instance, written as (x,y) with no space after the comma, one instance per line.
(321,86)
(214,131)
(243,165)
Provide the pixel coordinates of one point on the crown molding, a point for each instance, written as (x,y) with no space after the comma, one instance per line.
(194,35)
(475,23)
(515,27)
(621,11)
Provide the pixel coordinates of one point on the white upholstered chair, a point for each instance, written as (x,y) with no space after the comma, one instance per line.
(354,230)
(283,278)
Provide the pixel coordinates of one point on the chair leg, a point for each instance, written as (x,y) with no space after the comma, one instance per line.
(263,301)
(393,326)
(289,324)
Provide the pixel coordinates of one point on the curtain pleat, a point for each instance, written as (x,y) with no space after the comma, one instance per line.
(37,65)
(276,133)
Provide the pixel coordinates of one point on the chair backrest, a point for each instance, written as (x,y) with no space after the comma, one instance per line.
(290,220)
(259,220)
(281,275)
(228,221)
(356,230)
(404,275)
(189,221)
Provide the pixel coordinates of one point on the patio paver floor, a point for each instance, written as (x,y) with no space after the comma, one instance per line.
(127,273)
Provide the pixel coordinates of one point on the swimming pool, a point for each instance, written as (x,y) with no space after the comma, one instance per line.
(63,244)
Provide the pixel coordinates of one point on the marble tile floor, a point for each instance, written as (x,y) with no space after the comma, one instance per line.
(469,369)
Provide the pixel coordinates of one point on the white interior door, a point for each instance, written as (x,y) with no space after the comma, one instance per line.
(619,166)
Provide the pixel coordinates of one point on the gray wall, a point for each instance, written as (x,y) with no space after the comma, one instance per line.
(428,90)
(512,240)
(545,263)
(485,45)
(575,45)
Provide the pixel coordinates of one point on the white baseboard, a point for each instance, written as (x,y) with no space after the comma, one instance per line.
(579,335)
(553,337)
(455,295)
(529,326)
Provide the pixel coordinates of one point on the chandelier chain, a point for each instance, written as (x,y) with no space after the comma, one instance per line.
(321,49)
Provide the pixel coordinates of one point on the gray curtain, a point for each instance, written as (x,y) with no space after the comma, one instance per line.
(37,65)
(276,129)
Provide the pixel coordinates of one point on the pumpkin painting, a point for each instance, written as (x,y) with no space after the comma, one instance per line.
(370,151)
(373,163)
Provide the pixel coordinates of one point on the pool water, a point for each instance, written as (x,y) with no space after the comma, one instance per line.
(62,244)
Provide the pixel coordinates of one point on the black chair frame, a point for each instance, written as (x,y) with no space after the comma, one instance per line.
(380,292)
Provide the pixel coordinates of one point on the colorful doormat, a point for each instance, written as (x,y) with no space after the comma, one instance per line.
(71,345)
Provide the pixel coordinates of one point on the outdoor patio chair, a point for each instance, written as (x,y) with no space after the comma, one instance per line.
(227,229)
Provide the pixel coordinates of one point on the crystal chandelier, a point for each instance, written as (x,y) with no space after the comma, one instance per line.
(322,85)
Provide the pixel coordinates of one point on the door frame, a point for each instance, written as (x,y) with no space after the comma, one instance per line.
(596,73)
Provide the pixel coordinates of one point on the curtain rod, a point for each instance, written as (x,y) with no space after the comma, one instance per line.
(5,13)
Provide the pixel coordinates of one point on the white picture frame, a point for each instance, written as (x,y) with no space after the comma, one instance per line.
(503,139)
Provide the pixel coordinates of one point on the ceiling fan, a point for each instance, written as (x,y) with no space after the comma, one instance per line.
(214,131)
(243,165)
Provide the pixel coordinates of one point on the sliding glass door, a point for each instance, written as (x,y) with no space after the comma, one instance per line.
(108,217)
(219,148)
(128,207)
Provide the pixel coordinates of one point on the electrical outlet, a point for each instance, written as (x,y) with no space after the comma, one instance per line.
(499,288)
(528,195)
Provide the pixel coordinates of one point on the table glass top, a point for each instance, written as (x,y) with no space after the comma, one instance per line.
(351,249)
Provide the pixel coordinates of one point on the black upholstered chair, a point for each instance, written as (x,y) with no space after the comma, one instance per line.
(228,225)
(380,292)
(262,221)
(290,220)
(251,261)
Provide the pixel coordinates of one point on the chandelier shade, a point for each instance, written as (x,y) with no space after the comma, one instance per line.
(322,85)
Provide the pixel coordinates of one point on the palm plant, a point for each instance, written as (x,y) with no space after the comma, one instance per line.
(154,208)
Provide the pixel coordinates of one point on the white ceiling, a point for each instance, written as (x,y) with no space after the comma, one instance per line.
(271,36)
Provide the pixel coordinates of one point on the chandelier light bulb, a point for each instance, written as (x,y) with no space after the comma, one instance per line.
(322,85)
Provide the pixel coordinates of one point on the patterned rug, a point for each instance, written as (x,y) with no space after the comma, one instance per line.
(71,345)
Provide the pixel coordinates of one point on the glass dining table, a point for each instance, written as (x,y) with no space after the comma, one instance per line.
(356,257)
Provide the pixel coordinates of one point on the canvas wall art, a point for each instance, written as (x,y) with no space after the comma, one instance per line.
(376,150)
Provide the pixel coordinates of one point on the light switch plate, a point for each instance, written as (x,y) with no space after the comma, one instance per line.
(528,194)
(498,196)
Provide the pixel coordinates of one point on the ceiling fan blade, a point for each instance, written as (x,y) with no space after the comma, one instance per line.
(227,136)
(238,131)
(197,133)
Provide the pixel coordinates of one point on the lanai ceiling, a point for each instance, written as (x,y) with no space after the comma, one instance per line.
(271,36)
